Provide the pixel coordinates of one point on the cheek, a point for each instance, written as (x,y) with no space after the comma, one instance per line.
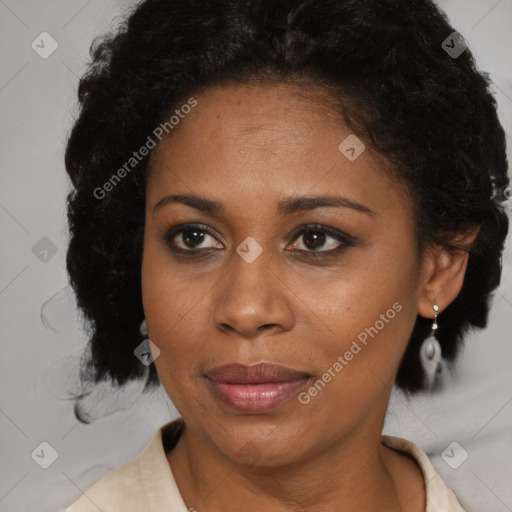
(368,312)
(174,308)
(365,287)
(357,363)
(173,313)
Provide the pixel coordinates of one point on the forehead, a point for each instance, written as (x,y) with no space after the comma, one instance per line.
(264,141)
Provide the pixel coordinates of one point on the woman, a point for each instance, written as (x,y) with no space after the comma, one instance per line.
(299,204)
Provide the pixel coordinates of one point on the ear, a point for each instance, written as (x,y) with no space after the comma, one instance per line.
(443,273)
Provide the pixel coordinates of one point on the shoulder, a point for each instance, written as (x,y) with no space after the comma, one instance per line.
(144,482)
(105,495)
(439,497)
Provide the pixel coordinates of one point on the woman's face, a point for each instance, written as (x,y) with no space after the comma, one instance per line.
(292,252)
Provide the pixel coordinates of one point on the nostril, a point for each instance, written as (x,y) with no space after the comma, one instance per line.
(266,327)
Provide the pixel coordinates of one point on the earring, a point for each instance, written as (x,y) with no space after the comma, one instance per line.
(143,328)
(431,356)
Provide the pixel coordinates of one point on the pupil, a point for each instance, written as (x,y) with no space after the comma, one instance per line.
(314,239)
(193,237)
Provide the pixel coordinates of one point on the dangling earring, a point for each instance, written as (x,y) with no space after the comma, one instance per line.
(431,357)
(143,328)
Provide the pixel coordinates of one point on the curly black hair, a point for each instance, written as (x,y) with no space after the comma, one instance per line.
(427,111)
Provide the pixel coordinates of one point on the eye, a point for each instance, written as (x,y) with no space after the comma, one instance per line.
(312,238)
(191,237)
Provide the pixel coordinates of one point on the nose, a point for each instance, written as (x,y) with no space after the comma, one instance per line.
(252,298)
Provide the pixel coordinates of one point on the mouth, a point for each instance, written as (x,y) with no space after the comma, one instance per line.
(255,389)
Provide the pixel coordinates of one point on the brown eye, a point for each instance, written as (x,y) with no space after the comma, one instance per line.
(191,238)
(313,239)
(320,239)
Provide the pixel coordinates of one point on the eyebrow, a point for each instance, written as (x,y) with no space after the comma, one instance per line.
(287,206)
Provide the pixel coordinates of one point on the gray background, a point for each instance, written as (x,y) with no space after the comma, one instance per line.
(39,359)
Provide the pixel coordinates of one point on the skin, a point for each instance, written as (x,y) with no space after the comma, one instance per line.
(249,146)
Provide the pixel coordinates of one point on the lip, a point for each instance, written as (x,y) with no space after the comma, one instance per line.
(257,388)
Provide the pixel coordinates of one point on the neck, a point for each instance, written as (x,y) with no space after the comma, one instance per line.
(357,473)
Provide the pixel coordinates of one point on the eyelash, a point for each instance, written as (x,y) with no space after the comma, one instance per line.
(344,239)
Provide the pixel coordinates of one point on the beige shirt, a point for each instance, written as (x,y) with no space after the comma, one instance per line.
(145,483)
